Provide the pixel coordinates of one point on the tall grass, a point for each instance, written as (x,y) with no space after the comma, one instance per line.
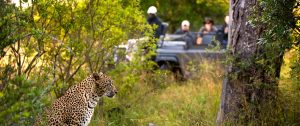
(161,100)
(193,102)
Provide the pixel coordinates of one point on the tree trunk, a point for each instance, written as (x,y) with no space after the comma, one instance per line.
(247,84)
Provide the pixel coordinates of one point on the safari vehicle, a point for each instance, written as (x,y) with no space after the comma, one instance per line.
(176,55)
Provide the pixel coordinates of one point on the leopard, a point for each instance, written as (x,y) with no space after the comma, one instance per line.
(76,106)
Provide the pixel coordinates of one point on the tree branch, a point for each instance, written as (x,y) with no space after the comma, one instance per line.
(29,67)
(77,69)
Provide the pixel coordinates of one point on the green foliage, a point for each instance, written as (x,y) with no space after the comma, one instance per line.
(175,11)
(22,100)
(279,21)
(57,44)
(12,20)
(276,21)
(295,72)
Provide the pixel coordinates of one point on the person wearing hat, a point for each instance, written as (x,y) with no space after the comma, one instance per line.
(207,28)
(153,19)
(189,37)
(185,27)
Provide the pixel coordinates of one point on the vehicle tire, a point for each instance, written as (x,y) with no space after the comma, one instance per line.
(165,67)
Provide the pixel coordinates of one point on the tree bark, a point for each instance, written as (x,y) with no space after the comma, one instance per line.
(247,82)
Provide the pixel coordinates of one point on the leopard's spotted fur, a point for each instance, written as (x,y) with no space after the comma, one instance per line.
(77,105)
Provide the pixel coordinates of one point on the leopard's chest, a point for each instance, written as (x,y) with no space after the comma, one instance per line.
(88,116)
(91,104)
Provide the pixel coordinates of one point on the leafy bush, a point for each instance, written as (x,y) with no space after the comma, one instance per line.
(22,100)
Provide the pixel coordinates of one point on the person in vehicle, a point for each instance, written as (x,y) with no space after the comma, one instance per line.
(207,28)
(189,37)
(153,19)
(225,30)
(185,27)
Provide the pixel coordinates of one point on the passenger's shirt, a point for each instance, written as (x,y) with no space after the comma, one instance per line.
(225,37)
(157,21)
(203,29)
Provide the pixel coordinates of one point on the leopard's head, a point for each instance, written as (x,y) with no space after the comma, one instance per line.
(104,85)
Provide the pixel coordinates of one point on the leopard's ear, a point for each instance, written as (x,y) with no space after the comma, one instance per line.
(96,76)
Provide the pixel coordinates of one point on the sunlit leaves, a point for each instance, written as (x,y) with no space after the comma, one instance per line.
(62,41)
